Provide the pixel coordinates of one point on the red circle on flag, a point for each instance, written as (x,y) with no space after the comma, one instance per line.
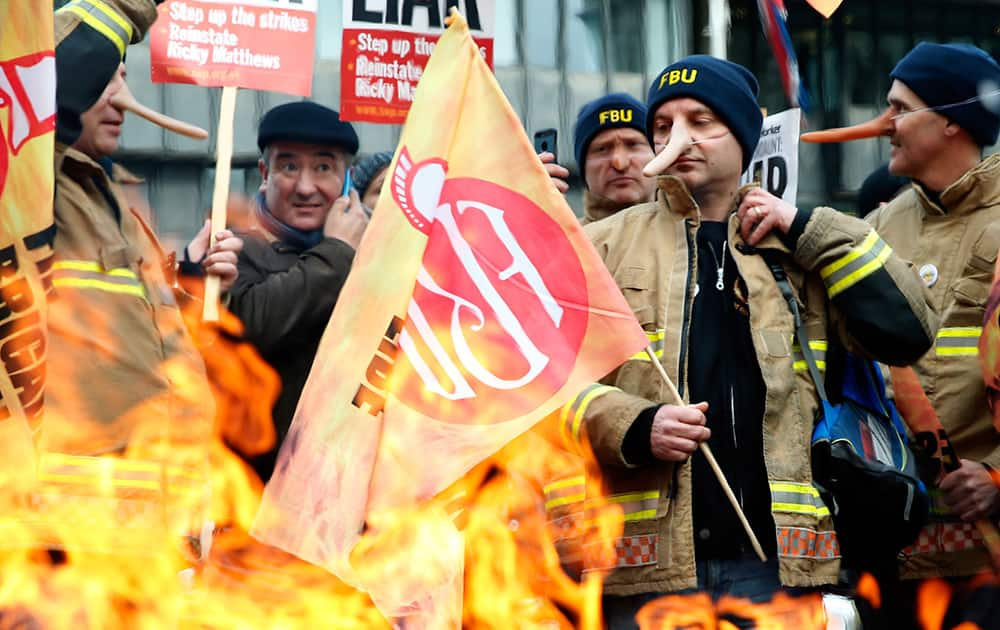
(497,322)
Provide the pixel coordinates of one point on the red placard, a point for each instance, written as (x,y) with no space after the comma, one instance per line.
(256,44)
(387,43)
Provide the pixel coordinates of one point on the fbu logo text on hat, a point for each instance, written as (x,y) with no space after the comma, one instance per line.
(686,75)
(615,116)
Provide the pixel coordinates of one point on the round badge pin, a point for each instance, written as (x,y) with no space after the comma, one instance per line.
(929,274)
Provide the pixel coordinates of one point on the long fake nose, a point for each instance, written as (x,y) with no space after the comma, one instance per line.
(680,140)
(123,99)
(881,125)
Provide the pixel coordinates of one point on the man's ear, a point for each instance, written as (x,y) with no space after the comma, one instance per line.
(952,128)
(262,167)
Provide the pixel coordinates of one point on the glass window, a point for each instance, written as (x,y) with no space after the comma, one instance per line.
(584,36)
(505,35)
(541,33)
(329,30)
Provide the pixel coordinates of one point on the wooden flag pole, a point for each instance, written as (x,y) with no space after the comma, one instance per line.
(710,458)
(220,196)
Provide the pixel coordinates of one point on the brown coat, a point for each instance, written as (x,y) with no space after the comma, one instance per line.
(649,251)
(955,248)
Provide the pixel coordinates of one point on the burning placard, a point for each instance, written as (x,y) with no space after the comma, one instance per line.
(387,43)
(256,44)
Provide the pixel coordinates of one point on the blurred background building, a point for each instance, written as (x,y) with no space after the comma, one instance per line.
(552,56)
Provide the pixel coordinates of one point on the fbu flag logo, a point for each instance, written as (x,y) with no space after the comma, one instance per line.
(499,305)
(686,75)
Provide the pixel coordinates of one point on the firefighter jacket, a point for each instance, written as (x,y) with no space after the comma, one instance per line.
(953,242)
(849,285)
(596,208)
(120,356)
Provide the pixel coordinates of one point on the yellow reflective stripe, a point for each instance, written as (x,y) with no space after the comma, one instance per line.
(575,485)
(93,267)
(634,496)
(959,341)
(564,483)
(656,341)
(572,412)
(850,256)
(794,486)
(104,20)
(819,348)
(86,283)
(797,498)
(961,331)
(644,515)
(797,508)
(572,498)
(866,270)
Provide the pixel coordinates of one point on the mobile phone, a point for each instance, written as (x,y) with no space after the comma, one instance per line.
(545,140)
(348,184)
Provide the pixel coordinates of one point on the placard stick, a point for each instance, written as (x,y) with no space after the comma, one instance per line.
(220,196)
(710,458)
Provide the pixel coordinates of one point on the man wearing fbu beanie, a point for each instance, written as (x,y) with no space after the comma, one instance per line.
(689,265)
(610,146)
(945,103)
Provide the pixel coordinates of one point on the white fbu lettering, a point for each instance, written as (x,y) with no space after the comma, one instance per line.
(521,265)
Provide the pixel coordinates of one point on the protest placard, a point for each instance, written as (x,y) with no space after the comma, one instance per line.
(775,162)
(387,44)
(256,44)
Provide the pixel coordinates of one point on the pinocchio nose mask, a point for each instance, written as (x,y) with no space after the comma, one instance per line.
(881,125)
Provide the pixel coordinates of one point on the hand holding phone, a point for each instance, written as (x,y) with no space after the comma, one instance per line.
(545,141)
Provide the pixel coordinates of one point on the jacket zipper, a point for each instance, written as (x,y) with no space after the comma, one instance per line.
(682,359)
(732,423)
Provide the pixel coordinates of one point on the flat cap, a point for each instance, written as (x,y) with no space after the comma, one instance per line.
(305,121)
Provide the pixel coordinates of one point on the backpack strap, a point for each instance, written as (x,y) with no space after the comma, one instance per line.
(800,330)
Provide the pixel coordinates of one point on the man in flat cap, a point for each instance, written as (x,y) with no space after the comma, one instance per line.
(299,252)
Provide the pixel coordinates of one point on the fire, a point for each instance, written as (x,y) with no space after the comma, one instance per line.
(157,537)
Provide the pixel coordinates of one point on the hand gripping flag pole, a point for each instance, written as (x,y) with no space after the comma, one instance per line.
(710,458)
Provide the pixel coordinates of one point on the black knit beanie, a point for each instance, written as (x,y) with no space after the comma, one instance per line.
(945,76)
(729,89)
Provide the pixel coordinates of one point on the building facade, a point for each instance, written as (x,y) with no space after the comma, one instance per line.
(551,56)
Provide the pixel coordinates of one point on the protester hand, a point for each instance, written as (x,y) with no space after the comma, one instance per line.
(760,212)
(970,492)
(559,174)
(677,431)
(221,259)
(347,220)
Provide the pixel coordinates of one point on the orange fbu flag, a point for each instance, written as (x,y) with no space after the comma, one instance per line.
(27,141)
(475,307)
(989,348)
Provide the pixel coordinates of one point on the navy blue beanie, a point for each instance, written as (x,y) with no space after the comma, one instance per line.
(608,112)
(729,89)
(368,168)
(946,74)
(308,122)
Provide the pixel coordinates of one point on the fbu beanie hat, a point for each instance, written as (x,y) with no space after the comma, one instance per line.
(729,89)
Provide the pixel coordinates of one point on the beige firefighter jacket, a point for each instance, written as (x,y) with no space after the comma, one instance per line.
(954,247)
(596,208)
(849,285)
(119,354)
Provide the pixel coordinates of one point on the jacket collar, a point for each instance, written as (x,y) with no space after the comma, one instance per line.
(977,188)
(596,207)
